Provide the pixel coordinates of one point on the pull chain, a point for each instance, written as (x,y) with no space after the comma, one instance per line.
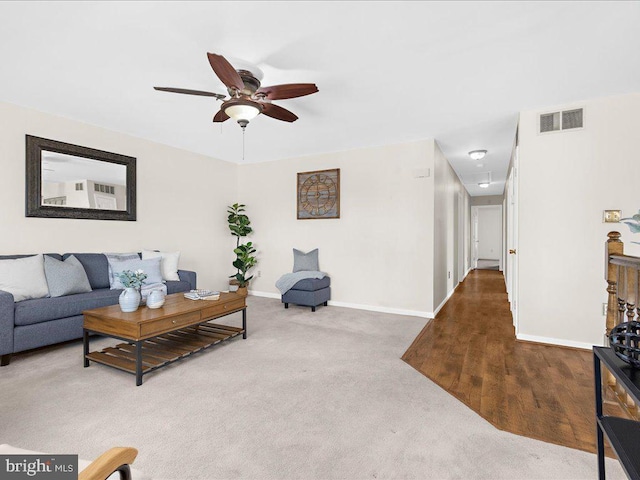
(243,144)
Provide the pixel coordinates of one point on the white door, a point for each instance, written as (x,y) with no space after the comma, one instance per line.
(474,237)
(490,235)
(461,238)
(512,239)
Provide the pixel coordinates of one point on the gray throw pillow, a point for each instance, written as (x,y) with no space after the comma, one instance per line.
(151,267)
(65,277)
(305,261)
(113,257)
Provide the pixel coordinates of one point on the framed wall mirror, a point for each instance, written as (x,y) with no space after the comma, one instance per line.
(70,181)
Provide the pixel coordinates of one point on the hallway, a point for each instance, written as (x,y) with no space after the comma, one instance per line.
(539,391)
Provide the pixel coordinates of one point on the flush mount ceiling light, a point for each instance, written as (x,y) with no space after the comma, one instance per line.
(483,184)
(477,154)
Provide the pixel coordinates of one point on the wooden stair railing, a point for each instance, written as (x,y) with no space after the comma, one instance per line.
(622,275)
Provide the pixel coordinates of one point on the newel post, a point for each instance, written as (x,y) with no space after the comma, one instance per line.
(614,246)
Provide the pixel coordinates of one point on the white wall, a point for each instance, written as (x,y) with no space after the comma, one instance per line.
(566,180)
(379,253)
(182,199)
(489,232)
(447,187)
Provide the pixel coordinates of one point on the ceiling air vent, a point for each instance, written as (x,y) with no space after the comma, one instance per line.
(566,120)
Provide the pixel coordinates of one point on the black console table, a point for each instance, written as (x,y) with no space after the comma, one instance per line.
(622,434)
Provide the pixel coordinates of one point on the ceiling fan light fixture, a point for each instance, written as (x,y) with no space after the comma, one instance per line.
(477,154)
(242,111)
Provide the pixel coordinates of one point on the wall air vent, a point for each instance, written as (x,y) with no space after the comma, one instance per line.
(572,119)
(549,122)
(565,120)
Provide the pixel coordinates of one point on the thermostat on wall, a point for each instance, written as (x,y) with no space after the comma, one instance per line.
(612,216)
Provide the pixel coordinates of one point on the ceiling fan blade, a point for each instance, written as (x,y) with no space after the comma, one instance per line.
(220,117)
(190,92)
(277,112)
(225,71)
(291,90)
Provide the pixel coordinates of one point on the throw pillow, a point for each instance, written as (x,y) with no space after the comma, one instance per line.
(118,257)
(168,264)
(305,261)
(151,267)
(65,277)
(24,278)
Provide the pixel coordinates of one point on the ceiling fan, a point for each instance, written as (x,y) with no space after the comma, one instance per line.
(247,99)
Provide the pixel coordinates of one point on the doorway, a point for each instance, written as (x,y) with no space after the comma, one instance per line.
(487,237)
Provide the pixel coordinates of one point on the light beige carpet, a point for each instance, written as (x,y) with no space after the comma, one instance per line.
(307,396)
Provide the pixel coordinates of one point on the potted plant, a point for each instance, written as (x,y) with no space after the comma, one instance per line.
(240,226)
(129,299)
(245,260)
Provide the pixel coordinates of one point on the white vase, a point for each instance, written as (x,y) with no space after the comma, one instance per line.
(129,300)
(155,299)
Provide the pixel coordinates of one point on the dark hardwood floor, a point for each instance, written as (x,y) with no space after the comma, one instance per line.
(539,391)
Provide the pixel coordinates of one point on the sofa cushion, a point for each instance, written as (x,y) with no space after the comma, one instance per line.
(65,277)
(312,284)
(111,257)
(40,310)
(96,267)
(150,267)
(57,256)
(24,277)
(169,263)
(176,287)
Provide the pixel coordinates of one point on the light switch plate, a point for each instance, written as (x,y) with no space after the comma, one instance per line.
(612,216)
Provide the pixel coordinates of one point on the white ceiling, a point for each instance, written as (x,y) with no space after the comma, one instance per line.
(388,72)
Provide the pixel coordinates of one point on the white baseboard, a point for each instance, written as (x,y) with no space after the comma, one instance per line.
(554,341)
(370,308)
(444,301)
(256,293)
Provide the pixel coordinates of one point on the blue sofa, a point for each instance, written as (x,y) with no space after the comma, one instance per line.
(44,321)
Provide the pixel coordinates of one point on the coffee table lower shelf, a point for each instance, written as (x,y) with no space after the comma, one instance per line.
(164,349)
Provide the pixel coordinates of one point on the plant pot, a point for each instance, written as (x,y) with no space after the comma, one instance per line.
(233,288)
(129,300)
(242,291)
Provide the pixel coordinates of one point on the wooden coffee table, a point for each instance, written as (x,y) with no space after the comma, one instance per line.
(157,337)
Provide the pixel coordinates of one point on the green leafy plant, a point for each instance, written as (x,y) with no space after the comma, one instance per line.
(245,260)
(238,222)
(132,279)
(239,225)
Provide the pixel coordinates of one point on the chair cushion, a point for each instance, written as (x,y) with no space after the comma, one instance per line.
(305,261)
(40,310)
(96,267)
(312,284)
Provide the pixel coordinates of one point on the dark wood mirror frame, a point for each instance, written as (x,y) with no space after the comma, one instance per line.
(34,207)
